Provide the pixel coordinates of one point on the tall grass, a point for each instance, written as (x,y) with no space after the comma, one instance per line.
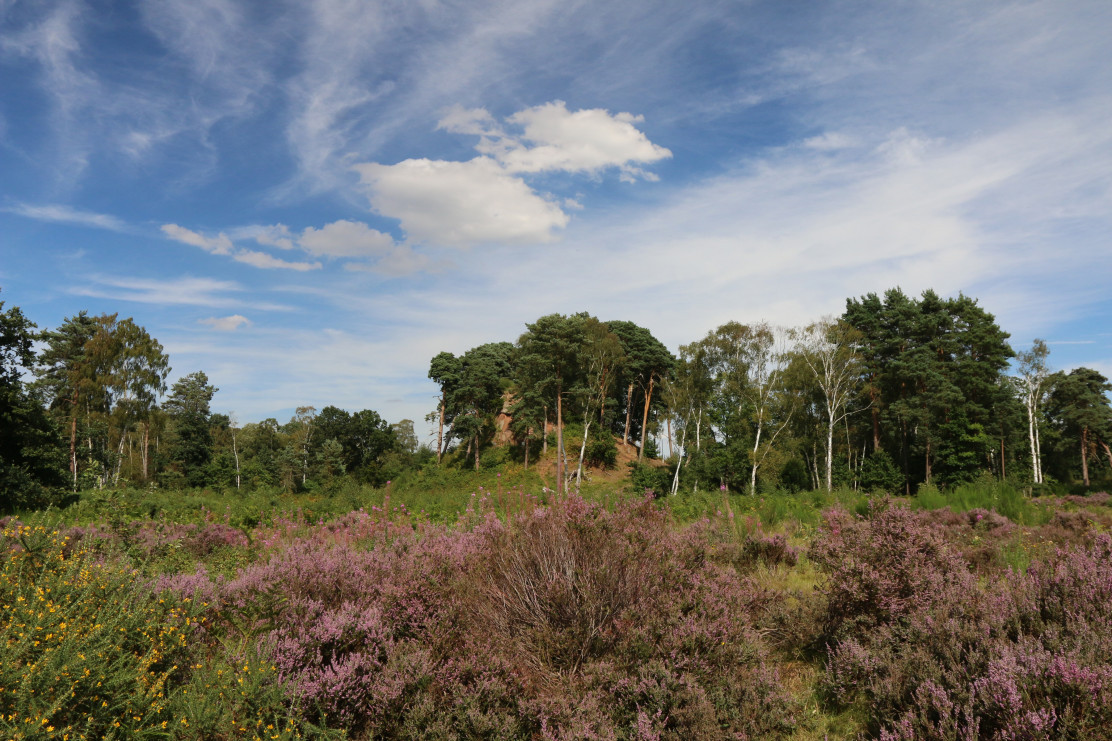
(992,495)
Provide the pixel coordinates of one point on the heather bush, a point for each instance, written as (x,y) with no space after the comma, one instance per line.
(881,568)
(624,629)
(931,652)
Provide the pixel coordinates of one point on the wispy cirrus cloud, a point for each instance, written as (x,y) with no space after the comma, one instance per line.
(62,214)
(188,291)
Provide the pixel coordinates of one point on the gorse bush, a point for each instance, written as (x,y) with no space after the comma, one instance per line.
(88,650)
(84,651)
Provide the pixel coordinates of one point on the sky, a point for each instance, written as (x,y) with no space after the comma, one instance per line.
(309,200)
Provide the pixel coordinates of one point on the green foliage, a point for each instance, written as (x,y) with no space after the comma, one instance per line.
(644,477)
(84,650)
(31,460)
(188,407)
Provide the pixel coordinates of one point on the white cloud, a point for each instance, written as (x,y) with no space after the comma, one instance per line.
(402,260)
(226,323)
(218,245)
(556,139)
(277,235)
(269,262)
(346,239)
(904,148)
(461,203)
(830,141)
(583,141)
(485,200)
(176,292)
(66,215)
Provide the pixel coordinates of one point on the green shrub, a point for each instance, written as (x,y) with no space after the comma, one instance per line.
(84,650)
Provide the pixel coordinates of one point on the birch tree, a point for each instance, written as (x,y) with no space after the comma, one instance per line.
(1032,382)
(829,348)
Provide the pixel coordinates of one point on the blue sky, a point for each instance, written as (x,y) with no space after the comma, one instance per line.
(308,200)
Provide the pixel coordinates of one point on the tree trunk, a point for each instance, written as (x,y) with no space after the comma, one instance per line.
(927,461)
(830,452)
(1034,447)
(816,480)
(1085,455)
(1107,452)
(1003,468)
(645,417)
(876,422)
(753,467)
(146,448)
(1038,453)
(559,440)
(544,437)
(476,451)
(235,452)
(903,458)
(679,460)
(119,459)
(440,430)
(73,439)
(582,453)
(629,403)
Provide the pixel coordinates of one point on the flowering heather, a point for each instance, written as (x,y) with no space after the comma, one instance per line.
(933,652)
(562,622)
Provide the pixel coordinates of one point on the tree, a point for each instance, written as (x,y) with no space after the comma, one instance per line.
(65,376)
(687,393)
(102,375)
(364,437)
(1032,385)
(549,366)
(602,358)
(829,348)
(1079,401)
(135,373)
(932,376)
(303,423)
(445,370)
(31,467)
(648,362)
(188,408)
(478,394)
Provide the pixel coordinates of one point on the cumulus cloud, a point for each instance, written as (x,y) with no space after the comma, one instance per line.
(346,239)
(226,323)
(486,199)
(581,141)
(461,203)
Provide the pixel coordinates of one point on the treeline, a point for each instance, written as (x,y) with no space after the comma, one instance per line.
(92,409)
(895,393)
